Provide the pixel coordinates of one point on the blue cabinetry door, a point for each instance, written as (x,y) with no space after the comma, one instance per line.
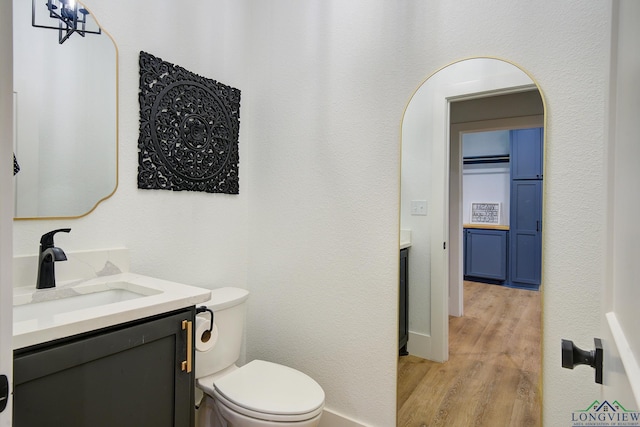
(486,253)
(526,153)
(526,233)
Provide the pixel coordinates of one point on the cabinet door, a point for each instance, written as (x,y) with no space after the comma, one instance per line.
(486,253)
(526,153)
(403,332)
(526,232)
(126,377)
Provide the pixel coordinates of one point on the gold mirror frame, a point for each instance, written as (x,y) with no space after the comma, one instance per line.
(107,194)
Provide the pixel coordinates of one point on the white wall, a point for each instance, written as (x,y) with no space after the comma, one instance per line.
(323,208)
(314,232)
(486,183)
(486,143)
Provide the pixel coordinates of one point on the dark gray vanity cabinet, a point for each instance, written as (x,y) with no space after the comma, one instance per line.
(403,323)
(130,375)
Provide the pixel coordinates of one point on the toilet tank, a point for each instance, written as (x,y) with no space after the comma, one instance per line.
(228,305)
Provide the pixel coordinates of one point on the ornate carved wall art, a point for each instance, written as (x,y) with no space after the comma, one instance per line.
(189,129)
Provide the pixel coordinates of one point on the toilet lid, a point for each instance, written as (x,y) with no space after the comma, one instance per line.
(270,388)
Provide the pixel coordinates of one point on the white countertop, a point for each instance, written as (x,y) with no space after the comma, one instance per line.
(166,296)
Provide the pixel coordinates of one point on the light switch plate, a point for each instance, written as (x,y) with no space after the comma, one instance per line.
(418,207)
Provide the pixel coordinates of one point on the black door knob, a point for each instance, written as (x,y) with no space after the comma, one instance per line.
(573,356)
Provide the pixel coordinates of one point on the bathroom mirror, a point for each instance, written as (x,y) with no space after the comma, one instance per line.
(65,112)
(433,172)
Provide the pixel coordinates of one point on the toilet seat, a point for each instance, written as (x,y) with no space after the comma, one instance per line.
(268,391)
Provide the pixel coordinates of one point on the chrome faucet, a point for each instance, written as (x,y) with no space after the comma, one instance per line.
(49,254)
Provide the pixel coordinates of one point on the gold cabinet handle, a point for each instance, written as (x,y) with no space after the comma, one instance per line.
(186,365)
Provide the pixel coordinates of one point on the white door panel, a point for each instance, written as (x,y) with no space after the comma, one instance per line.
(621,291)
(6,200)
(621,365)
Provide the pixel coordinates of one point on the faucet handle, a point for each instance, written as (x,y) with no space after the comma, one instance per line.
(46,241)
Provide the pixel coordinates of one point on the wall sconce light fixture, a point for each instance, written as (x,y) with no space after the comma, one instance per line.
(71,17)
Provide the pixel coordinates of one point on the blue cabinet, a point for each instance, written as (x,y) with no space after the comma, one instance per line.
(526,233)
(525,241)
(526,153)
(514,257)
(485,253)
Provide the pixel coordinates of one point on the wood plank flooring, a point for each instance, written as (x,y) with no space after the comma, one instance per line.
(492,377)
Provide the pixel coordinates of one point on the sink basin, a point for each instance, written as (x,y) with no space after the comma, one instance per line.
(45,304)
(79,306)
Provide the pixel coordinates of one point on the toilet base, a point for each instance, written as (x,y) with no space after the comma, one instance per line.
(215,414)
(207,414)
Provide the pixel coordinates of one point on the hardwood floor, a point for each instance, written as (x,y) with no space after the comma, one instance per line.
(492,377)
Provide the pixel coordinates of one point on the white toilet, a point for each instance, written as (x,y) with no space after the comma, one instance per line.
(260,394)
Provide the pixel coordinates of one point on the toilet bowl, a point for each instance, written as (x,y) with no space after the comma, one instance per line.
(258,394)
(263,394)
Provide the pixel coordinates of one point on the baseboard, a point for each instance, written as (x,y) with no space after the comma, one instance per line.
(419,345)
(334,419)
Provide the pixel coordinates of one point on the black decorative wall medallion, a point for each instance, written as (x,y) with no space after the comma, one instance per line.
(188,130)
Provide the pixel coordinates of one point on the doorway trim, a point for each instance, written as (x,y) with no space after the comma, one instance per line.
(456,253)
(431,341)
